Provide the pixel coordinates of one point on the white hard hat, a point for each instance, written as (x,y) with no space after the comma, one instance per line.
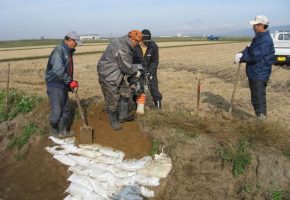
(260,19)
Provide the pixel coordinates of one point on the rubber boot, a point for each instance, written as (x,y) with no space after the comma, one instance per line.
(124,111)
(158,104)
(64,128)
(54,129)
(114,122)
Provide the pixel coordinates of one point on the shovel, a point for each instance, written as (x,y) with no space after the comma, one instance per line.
(86,132)
(235,88)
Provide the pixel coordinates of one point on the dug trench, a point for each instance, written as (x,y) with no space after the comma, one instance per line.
(212,159)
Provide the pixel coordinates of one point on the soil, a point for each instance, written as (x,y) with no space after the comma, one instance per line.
(36,177)
(129,139)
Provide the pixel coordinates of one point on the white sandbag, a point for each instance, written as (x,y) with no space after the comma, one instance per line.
(133,165)
(160,166)
(122,173)
(95,147)
(107,159)
(81,170)
(84,181)
(111,152)
(124,181)
(100,188)
(147,181)
(65,159)
(70,148)
(89,153)
(78,190)
(56,150)
(72,197)
(146,192)
(58,141)
(100,166)
(94,196)
(103,177)
(81,160)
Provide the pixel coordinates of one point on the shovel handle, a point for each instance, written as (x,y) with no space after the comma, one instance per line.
(80,108)
(235,88)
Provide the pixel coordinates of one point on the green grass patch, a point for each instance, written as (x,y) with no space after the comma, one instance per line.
(239,157)
(38,42)
(277,195)
(19,141)
(18,102)
(155,148)
(280,194)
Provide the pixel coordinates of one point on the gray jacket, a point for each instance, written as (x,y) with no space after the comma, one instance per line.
(117,61)
(57,70)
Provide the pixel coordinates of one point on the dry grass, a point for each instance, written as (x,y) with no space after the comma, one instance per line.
(226,132)
(269,133)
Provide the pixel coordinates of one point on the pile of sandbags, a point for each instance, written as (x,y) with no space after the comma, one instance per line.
(102,173)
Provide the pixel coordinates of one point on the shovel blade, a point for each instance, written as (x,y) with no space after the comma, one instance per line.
(86,135)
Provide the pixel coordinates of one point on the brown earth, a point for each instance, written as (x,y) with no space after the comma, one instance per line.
(130,139)
(38,176)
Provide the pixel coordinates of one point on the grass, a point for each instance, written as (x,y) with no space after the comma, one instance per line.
(37,42)
(287,153)
(18,102)
(239,157)
(155,148)
(280,194)
(19,141)
(272,134)
(180,120)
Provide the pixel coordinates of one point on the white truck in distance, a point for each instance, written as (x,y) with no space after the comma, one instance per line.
(281,41)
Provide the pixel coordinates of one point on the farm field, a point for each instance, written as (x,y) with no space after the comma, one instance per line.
(197,145)
(177,76)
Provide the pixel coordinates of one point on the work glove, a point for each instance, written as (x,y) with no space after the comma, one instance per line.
(238,57)
(73,84)
(138,74)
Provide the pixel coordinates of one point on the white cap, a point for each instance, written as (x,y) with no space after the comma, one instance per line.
(73,35)
(260,19)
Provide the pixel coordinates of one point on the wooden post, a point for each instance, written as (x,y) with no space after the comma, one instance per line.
(198,77)
(7,90)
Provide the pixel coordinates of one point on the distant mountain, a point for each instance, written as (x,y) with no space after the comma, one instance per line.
(249,32)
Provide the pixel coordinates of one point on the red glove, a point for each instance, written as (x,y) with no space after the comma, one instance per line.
(74,84)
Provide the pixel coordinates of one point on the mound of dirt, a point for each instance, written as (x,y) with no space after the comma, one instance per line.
(129,139)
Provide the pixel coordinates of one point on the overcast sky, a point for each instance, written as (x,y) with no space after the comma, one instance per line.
(23,19)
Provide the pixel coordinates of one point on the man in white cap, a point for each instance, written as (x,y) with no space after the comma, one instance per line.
(259,57)
(59,80)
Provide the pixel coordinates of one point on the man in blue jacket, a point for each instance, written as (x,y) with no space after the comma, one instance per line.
(259,57)
(59,80)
